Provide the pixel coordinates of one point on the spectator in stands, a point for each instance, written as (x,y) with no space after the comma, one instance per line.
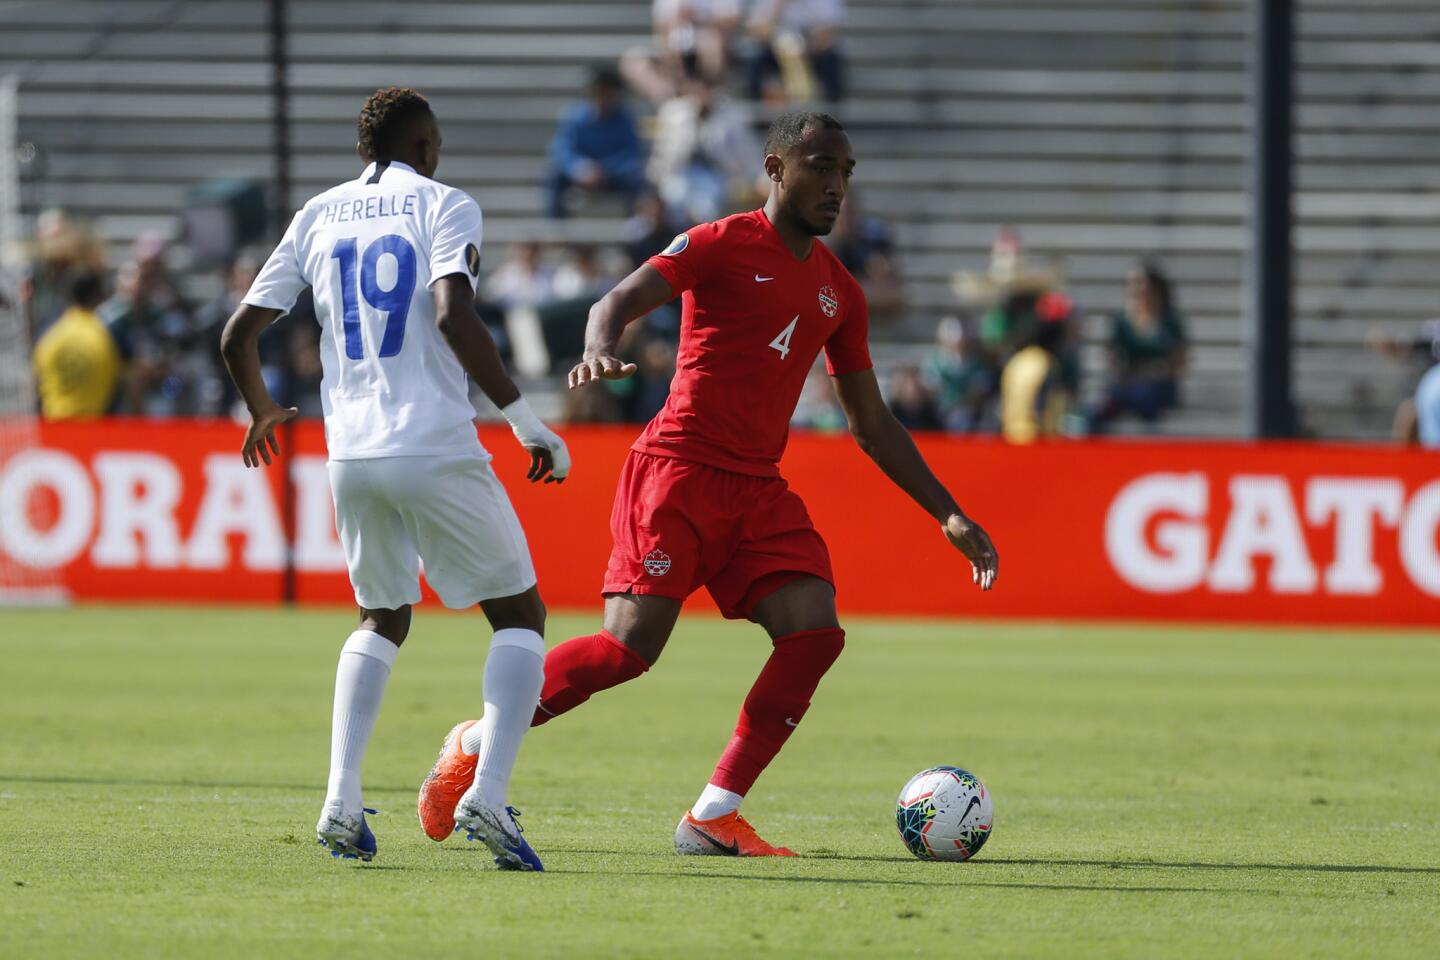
(64,251)
(1035,388)
(582,276)
(77,365)
(522,280)
(303,372)
(704,155)
(217,392)
(692,37)
(798,42)
(1147,351)
(1418,356)
(656,368)
(1007,294)
(648,231)
(819,409)
(240,273)
(642,395)
(597,149)
(960,377)
(865,246)
(1427,407)
(152,328)
(911,401)
(645,234)
(591,406)
(517,289)
(578,282)
(289,349)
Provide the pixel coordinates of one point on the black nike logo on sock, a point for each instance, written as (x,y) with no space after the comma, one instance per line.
(733,850)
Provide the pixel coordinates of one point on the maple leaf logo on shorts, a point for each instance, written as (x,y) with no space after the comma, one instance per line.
(657,563)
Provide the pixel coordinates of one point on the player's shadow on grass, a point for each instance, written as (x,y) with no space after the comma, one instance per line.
(985,861)
(190,784)
(1152,864)
(928,881)
(1200,865)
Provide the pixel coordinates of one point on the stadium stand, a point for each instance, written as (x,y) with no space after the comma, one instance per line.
(1103,131)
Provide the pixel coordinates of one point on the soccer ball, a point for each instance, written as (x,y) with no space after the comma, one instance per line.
(944,813)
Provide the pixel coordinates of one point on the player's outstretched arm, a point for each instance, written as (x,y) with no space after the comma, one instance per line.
(239,346)
(631,299)
(889,444)
(465,332)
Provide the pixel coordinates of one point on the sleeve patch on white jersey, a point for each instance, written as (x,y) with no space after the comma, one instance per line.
(681,241)
(472,259)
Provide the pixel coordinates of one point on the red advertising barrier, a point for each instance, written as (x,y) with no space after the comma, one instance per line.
(166,511)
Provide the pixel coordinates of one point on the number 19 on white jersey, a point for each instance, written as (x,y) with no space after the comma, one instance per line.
(371,249)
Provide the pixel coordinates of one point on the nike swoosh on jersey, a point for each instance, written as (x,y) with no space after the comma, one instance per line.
(791,723)
(760,279)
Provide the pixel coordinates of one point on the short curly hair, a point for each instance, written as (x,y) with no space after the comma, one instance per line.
(789,129)
(386,116)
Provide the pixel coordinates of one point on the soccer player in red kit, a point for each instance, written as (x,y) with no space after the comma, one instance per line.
(701,501)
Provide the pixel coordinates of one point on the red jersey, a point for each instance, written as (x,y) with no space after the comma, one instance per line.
(753,321)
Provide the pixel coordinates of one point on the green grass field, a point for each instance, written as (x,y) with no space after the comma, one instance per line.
(1159,792)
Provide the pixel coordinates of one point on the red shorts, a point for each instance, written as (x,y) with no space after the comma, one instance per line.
(680,525)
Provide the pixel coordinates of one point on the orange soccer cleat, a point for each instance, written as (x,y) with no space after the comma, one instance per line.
(728,835)
(451,776)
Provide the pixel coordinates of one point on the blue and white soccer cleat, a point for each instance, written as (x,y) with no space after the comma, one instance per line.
(496,827)
(347,835)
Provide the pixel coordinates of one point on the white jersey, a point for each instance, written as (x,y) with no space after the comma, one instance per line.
(371,248)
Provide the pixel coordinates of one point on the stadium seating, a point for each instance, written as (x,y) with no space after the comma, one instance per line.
(1104,130)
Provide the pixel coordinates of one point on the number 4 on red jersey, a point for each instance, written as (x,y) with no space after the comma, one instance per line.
(782,339)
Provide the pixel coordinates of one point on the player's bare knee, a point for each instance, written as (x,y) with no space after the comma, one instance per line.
(523,611)
(393,625)
(799,606)
(645,639)
(641,624)
(646,647)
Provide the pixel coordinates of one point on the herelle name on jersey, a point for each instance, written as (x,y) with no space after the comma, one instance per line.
(370,208)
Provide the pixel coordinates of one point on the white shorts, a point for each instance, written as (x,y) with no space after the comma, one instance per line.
(450,513)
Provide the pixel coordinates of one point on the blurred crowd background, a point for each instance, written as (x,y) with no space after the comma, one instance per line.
(979,327)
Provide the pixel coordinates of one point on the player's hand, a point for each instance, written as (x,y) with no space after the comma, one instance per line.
(550,464)
(260,440)
(601,367)
(970,538)
(549,457)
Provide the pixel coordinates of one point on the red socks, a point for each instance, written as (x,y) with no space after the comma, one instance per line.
(578,668)
(775,704)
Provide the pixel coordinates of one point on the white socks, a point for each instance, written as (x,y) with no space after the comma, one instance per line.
(715,802)
(470,739)
(514,673)
(365,663)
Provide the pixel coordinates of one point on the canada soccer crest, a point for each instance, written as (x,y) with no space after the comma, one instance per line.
(829,303)
(657,563)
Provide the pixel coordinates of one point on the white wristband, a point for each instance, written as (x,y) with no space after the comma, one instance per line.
(532,432)
(522,419)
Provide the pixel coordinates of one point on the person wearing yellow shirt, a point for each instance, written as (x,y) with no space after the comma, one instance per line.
(77,365)
(1033,394)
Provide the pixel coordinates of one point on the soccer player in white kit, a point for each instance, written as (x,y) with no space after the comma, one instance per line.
(393,258)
